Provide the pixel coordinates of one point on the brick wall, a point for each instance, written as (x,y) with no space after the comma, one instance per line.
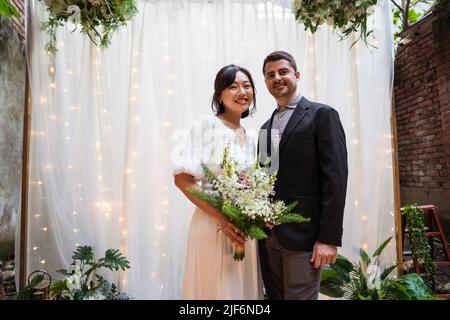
(422,99)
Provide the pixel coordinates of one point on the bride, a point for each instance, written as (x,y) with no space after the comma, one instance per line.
(210,271)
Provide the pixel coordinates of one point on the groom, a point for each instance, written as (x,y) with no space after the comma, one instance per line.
(306,142)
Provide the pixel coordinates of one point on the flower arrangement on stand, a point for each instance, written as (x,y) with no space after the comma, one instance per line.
(99,19)
(81,280)
(344,17)
(245,197)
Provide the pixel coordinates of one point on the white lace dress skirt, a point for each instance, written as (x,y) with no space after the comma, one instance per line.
(210,272)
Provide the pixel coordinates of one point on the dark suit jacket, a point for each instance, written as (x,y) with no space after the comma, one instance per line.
(312,170)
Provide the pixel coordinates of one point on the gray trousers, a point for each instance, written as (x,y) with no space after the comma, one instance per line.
(289,274)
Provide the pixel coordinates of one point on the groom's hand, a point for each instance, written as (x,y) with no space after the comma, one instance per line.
(323,254)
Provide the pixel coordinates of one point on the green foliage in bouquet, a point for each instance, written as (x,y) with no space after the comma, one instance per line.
(343,16)
(81,281)
(245,197)
(8,10)
(366,281)
(99,19)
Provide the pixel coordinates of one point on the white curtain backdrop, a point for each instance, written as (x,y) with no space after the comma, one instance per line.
(105,124)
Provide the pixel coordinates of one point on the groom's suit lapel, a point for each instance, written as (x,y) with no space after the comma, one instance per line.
(297,116)
(269,134)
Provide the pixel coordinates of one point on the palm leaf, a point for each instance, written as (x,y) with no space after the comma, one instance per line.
(364,256)
(416,287)
(345,275)
(344,263)
(362,281)
(331,288)
(83,253)
(58,287)
(381,247)
(36,280)
(333,280)
(394,290)
(387,271)
(114,260)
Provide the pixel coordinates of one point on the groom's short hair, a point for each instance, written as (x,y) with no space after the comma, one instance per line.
(280,55)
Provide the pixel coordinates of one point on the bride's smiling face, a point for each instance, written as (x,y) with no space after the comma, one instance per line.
(238,96)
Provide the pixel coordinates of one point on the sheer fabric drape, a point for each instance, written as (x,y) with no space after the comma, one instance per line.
(106,125)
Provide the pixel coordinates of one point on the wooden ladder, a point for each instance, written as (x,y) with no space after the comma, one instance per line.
(433,228)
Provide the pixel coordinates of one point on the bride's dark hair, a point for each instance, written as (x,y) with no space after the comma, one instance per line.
(225,78)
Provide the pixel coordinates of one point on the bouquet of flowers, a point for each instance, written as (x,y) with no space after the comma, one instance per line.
(346,16)
(99,19)
(245,197)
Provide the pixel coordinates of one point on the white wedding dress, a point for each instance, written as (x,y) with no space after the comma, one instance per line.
(210,272)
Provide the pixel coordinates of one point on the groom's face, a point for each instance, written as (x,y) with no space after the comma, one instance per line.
(280,78)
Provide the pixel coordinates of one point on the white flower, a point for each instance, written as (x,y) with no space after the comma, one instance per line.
(75,16)
(73,282)
(95,296)
(373,275)
(330,21)
(370,10)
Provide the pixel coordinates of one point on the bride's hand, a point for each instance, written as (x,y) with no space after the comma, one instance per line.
(232,232)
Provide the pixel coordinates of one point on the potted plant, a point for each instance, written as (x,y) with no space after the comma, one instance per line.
(81,280)
(366,281)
